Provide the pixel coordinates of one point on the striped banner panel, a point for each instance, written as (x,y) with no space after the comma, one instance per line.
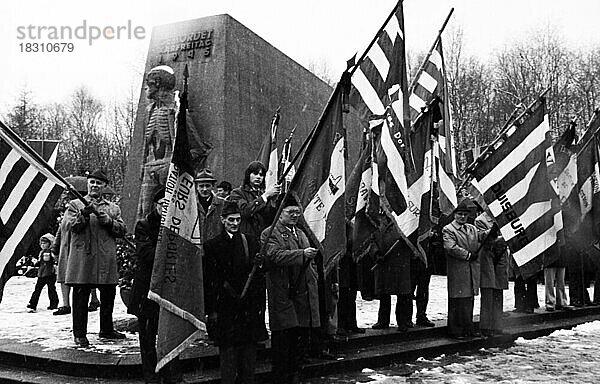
(27,198)
(514,182)
(379,87)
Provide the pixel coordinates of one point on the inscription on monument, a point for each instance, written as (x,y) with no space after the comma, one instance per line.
(188,44)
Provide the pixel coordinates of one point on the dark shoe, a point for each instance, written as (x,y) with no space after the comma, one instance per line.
(62,311)
(402,328)
(94,305)
(410,324)
(357,330)
(565,308)
(114,335)
(550,309)
(458,337)
(82,342)
(30,308)
(52,307)
(475,334)
(380,326)
(425,322)
(342,332)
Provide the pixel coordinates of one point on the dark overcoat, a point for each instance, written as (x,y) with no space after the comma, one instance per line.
(290,304)
(92,255)
(392,275)
(226,270)
(256,213)
(494,270)
(146,237)
(210,220)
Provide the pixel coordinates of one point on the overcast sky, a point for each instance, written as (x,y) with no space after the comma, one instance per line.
(309,31)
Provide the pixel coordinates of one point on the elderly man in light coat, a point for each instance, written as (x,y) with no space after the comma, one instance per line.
(92,261)
(292,292)
(462,242)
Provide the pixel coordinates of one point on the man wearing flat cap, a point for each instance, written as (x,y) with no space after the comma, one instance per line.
(462,242)
(209,205)
(92,262)
(235,324)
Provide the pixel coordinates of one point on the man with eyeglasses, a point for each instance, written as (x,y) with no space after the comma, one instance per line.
(462,242)
(292,291)
(235,324)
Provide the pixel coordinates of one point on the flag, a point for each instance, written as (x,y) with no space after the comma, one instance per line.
(177,282)
(380,88)
(285,162)
(320,182)
(513,179)
(577,169)
(588,185)
(562,151)
(430,84)
(362,201)
(268,153)
(29,188)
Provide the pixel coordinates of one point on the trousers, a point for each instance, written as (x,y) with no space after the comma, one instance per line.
(460,316)
(37,291)
(81,295)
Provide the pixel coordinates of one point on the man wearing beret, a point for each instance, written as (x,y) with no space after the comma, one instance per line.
(235,324)
(92,262)
(462,243)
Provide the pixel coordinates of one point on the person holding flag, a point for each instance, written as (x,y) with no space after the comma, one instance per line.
(92,261)
(146,310)
(256,203)
(292,292)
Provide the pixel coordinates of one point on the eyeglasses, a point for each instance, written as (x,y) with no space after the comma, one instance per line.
(293,212)
(233,219)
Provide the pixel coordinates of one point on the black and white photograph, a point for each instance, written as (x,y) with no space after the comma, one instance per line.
(344,192)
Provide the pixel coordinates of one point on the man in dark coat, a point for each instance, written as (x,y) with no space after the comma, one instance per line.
(392,275)
(462,243)
(146,310)
(257,205)
(493,260)
(293,292)
(236,324)
(92,260)
(209,205)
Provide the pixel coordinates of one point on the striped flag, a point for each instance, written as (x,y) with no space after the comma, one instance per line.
(177,281)
(320,182)
(471,154)
(430,84)
(268,153)
(380,88)
(513,179)
(29,189)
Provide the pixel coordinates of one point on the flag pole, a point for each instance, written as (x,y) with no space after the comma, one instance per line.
(362,57)
(422,67)
(282,177)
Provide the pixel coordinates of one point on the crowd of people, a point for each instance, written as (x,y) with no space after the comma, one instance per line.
(236,225)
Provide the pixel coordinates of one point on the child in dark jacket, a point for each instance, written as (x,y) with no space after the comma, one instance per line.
(46,275)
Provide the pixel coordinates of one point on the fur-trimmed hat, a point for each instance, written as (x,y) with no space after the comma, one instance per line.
(230,208)
(98,174)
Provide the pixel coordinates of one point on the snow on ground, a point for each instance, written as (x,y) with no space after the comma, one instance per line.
(53,332)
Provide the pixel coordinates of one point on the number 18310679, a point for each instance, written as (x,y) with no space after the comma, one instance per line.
(46,47)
